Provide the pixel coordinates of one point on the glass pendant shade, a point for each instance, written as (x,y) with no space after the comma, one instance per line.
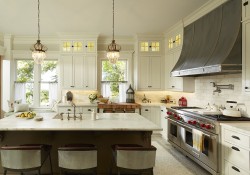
(38,52)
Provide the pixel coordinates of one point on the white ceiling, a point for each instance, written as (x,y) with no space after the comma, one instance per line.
(19,17)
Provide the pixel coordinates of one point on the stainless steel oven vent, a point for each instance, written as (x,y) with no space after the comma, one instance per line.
(212,44)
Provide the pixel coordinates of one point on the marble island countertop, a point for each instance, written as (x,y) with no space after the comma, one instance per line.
(80,104)
(104,122)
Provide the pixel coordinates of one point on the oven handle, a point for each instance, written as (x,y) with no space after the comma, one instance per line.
(187,127)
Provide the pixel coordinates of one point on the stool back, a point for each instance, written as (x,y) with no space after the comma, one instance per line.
(21,157)
(135,157)
(77,158)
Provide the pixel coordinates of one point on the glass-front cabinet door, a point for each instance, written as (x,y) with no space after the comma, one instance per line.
(149,46)
(72,46)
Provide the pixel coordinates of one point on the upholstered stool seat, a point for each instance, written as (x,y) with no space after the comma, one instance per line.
(25,158)
(133,159)
(78,157)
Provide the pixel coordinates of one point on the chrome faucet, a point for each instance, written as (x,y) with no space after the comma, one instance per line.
(74,106)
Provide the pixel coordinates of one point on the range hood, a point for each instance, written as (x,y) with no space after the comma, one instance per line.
(212,44)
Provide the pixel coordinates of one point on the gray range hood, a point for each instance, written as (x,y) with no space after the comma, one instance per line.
(212,44)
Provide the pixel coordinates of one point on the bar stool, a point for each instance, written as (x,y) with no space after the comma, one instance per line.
(25,158)
(133,159)
(78,158)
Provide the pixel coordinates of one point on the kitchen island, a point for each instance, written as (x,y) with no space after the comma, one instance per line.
(108,129)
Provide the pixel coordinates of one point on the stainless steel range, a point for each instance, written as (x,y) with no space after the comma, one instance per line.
(184,121)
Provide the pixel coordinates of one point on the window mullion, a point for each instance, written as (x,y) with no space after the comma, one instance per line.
(37,79)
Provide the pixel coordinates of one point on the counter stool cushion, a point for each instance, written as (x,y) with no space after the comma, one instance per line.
(133,158)
(77,156)
(25,157)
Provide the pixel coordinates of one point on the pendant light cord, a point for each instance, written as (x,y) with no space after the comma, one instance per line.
(38,20)
(113,19)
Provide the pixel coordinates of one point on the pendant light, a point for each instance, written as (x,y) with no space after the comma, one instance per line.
(38,49)
(113,52)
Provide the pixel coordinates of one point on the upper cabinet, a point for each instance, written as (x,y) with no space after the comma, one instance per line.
(150,47)
(246,56)
(149,63)
(245,10)
(78,46)
(173,46)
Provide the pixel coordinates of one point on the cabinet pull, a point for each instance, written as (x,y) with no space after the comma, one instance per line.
(172,86)
(235,148)
(89,109)
(87,86)
(146,109)
(149,86)
(161,110)
(72,86)
(246,87)
(236,169)
(245,3)
(235,137)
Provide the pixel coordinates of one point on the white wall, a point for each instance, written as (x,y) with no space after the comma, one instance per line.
(5,84)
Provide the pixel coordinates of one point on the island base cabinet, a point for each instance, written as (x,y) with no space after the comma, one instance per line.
(102,139)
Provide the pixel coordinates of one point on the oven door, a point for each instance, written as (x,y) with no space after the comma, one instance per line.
(174,132)
(209,153)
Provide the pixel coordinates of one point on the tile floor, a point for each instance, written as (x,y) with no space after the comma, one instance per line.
(169,161)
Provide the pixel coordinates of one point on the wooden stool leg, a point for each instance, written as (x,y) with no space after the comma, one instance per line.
(51,170)
(39,172)
(5,172)
(152,171)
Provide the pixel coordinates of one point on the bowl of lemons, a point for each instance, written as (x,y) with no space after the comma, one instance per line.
(27,115)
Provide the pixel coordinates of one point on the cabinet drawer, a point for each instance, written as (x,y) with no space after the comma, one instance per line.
(231,169)
(238,156)
(69,109)
(87,110)
(236,138)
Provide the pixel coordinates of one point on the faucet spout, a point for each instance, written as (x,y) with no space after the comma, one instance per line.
(74,106)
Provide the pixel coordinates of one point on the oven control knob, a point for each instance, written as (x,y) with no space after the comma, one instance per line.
(169,113)
(194,122)
(189,121)
(175,115)
(178,117)
(202,125)
(208,126)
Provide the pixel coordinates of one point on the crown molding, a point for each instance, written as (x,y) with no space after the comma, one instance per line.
(82,35)
(175,28)
(25,39)
(140,36)
(119,40)
(203,10)
(2,50)
(20,54)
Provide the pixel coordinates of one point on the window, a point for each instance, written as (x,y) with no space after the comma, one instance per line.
(36,84)
(114,80)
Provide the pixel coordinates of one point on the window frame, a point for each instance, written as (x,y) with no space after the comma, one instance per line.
(37,80)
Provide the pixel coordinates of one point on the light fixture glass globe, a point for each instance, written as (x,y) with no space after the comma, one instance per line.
(113,56)
(38,56)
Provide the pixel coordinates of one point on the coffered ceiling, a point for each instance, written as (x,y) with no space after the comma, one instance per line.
(19,17)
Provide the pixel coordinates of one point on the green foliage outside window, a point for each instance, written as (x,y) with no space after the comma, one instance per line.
(114,73)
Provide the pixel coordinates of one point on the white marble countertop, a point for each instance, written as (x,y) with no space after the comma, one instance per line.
(243,127)
(104,122)
(77,104)
(158,104)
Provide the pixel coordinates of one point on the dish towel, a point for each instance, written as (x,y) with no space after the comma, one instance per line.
(198,138)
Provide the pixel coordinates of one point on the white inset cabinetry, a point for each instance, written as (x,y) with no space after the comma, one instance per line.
(245,10)
(153,114)
(235,151)
(78,71)
(246,55)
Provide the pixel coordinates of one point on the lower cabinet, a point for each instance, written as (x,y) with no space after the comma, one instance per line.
(235,152)
(164,122)
(153,114)
(80,109)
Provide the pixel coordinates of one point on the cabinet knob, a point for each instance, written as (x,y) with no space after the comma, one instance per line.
(86,46)
(150,46)
(245,3)
(246,87)
(72,46)
(161,110)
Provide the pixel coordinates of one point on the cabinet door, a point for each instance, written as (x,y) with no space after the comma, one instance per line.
(155,73)
(90,46)
(144,72)
(164,122)
(146,112)
(246,55)
(90,75)
(67,71)
(78,79)
(245,9)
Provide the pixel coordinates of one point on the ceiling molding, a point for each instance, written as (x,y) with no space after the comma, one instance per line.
(19,54)
(140,36)
(2,50)
(32,39)
(119,40)
(203,10)
(178,27)
(63,35)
